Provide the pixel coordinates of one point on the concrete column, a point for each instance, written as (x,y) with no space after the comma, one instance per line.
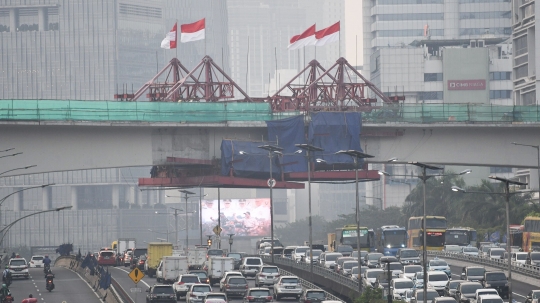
(129,194)
(141,197)
(46,193)
(13,19)
(116,196)
(74,198)
(43,16)
(17,200)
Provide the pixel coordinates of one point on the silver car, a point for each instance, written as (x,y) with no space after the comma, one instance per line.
(268,275)
(197,293)
(287,286)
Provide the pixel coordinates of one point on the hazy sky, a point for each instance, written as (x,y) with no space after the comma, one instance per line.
(353,26)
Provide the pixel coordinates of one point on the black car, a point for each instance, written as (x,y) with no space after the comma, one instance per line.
(313,296)
(497,280)
(214,253)
(202,274)
(160,293)
(450,288)
(237,259)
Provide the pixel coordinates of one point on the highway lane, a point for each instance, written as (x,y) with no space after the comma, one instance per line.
(120,274)
(69,287)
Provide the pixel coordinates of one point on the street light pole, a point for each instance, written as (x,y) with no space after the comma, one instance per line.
(309,148)
(356,154)
(271,182)
(424,178)
(186,193)
(4,230)
(538,164)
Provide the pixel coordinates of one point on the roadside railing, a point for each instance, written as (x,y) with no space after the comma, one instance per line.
(525,269)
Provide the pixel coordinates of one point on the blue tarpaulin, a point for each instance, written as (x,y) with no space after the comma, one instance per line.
(335,131)
(254,163)
(286,133)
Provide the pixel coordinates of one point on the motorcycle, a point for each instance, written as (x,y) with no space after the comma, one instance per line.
(7,280)
(50,285)
(8,299)
(46,268)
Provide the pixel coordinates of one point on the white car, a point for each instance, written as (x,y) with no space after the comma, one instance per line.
(418,279)
(197,293)
(299,252)
(18,268)
(36,261)
(184,282)
(410,270)
(268,275)
(519,258)
(470,250)
(399,286)
(316,254)
(437,280)
(328,260)
(250,266)
(370,276)
(287,286)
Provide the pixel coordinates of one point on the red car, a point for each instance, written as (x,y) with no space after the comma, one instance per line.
(107,257)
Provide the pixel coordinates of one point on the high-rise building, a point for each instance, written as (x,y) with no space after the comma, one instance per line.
(91,49)
(259,34)
(524,56)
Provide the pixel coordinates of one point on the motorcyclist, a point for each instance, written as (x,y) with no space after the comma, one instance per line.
(4,291)
(46,262)
(49,279)
(6,276)
(30,299)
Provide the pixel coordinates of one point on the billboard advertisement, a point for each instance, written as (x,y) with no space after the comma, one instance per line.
(241,217)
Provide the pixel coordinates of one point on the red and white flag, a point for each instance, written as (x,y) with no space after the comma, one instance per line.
(193,31)
(170,40)
(327,35)
(304,39)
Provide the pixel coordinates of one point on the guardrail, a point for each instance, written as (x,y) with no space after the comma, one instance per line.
(332,281)
(309,285)
(527,270)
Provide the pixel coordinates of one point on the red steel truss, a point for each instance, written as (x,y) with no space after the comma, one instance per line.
(181,85)
(340,88)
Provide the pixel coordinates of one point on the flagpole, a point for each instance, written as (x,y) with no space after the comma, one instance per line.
(176,39)
(247,67)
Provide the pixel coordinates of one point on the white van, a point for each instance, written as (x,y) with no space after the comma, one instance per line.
(520,258)
(496,253)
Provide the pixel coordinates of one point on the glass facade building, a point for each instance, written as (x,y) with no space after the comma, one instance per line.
(92,49)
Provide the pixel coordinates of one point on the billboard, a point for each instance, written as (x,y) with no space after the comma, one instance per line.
(241,217)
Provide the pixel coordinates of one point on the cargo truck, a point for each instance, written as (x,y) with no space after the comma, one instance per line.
(122,245)
(196,257)
(172,267)
(217,266)
(156,251)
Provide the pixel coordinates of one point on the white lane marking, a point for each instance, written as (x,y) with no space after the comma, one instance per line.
(518,295)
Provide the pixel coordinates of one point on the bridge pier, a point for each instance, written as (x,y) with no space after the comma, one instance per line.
(74,198)
(116,196)
(46,193)
(17,200)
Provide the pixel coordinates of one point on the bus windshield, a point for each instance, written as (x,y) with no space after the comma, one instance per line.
(349,237)
(395,238)
(435,239)
(437,223)
(457,237)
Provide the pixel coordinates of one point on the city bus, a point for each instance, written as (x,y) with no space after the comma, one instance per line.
(390,238)
(462,236)
(435,231)
(347,236)
(531,234)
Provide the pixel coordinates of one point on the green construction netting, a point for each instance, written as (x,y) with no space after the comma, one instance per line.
(122,111)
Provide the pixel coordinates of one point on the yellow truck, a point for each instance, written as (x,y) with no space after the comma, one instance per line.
(156,251)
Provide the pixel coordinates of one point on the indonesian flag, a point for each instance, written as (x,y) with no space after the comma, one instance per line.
(327,35)
(304,39)
(170,40)
(193,31)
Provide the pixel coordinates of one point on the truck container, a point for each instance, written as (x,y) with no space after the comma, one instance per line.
(173,267)
(123,244)
(156,251)
(217,266)
(196,257)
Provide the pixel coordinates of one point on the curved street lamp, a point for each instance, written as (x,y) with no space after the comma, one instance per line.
(25,167)
(4,230)
(506,194)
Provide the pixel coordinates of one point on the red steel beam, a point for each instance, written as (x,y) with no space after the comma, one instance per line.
(363,176)
(216,181)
